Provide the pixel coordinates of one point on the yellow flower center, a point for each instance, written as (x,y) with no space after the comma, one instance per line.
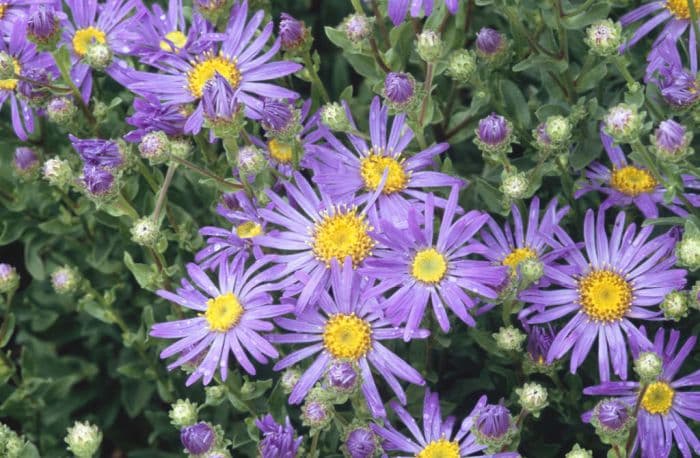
(347,336)
(248,230)
(632,180)
(372,169)
(658,398)
(441,448)
(177,41)
(3,10)
(11,84)
(605,295)
(223,312)
(85,37)
(280,151)
(429,266)
(205,70)
(517,256)
(679,8)
(340,235)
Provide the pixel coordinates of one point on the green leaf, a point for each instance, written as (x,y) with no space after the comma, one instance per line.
(594,13)
(32,258)
(143,273)
(8,327)
(592,77)
(516,103)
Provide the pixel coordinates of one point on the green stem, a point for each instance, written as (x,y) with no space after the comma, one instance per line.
(427,89)
(621,65)
(148,176)
(164,191)
(377,56)
(633,431)
(313,74)
(314,444)
(9,364)
(380,22)
(206,173)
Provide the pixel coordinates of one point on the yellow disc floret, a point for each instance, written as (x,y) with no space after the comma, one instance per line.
(604,295)
(11,83)
(176,40)
(248,230)
(342,234)
(517,256)
(658,398)
(346,336)
(372,169)
(3,9)
(441,448)
(280,151)
(204,70)
(85,37)
(679,8)
(632,181)
(223,312)
(429,266)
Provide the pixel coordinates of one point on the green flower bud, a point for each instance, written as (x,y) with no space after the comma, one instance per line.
(604,38)
(57,172)
(429,46)
(531,269)
(289,379)
(688,251)
(694,299)
(65,280)
(251,161)
(155,146)
(9,278)
(357,27)
(215,394)
(98,56)
(509,338)
(558,130)
(183,413)
(83,439)
(578,452)
(145,232)
(462,66)
(8,67)
(648,366)
(61,111)
(532,397)
(515,185)
(180,147)
(675,305)
(624,123)
(334,116)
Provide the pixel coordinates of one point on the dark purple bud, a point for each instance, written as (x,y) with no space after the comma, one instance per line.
(197,438)
(489,41)
(493,130)
(612,414)
(360,443)
(493,421)
(43,23)
(399,87)
(342,376)
(276,116)
(278,441)
(292,32)
(25,159)
(97,152)
(97,181)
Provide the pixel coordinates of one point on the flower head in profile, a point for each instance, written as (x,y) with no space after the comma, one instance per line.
(382,166)
(230,316)
(14,11)
(427,268)
(98,152)
(665,402)
(277,441)
(630,184)
(615,279)
(235,55)
(347,325)
(438,437)
(152,116)
(397,9)
(678,85)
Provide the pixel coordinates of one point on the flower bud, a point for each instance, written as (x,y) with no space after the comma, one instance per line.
(688,251)
(489,42)
(289,379)
(694,299)
(8,67)
(11,444)
(493,427)
(399,89)
(83,439)
(514,185)
(675,305)
(211,9)
(65,280)
(61,110)
(26,162)
(98,56)
(280,119)
(183,413)
(612,420)
(558,130)
(671,141)
(9,278)
(43,26)
(360,442)
(98,183)
(604,38)
(357,27)
(180,147)
(334,116)
(316,413)
(278,441)
(250,161)
(578,452)
(532,397)
(214,394)
(648,366)
(342,377)
(155,146)
(429,45)
(531,270)
(509,338)
(145,232)
(293,35)
(461,66)
(57,172)
(623,123)
(198,438)
(539,340)
(494,134)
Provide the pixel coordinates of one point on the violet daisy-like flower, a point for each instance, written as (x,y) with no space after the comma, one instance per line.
(26,60)
(629,184)
(347,326)
(237,58)
(108,25)
(397,9)
(437,269)
(437,437)
(150,115)
(230,316)
(678,85)
(293,33)
(97,152)
(315,231)
(357,175)
(278,441)
(619,278)
(664,404)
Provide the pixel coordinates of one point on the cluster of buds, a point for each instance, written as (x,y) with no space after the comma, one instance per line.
(12,445)
(688,248)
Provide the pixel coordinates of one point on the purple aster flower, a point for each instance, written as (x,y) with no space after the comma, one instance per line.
(618,279)
(664,403)
(97,181)
(44,23)
(277,441)
(219,104)
(230,316)
(438,437)
(489,41)
(105,24)
(397,9)
(627,183)
(25,159)
(381,166)
(539,340)
(97,152)
(347,325)
(197,438)
(399,88)
(276,116)
(13,11)
(433,268)
(315,232)
(671,136)
(360,443)
(237,59)
(678,86)
(493,421)
(150,115)
(493,130)
(341,376)
(613,414)
(26,60)
(292,32)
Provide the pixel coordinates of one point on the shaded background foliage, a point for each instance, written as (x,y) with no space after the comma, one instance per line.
(91,358)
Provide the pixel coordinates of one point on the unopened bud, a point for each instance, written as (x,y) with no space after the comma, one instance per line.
(334,116)
(183,413)
(624,123)
(145,232)
(155,146)
(57,172)
(357,27)
(429,45)
(558,130)
(98,56)
(83,439)
(462,66)
(578,452)
(532,397)
(65,280)
(61,110)
(675,305)
(9,278)
(648,366)
(514,185)
(604,38)
(509,338)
